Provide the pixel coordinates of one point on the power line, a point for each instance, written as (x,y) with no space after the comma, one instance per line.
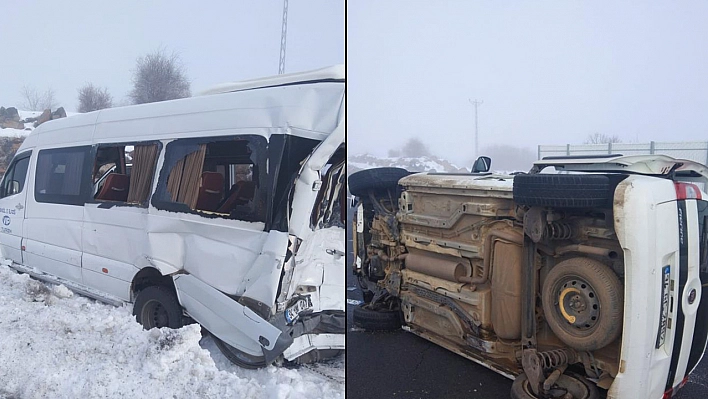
(476,127)
(283,36)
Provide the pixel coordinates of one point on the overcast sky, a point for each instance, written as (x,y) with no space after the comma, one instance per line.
(65,44)
(548,72)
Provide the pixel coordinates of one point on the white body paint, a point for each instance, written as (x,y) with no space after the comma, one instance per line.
(99,250)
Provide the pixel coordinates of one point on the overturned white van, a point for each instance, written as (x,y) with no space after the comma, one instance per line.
(224,208)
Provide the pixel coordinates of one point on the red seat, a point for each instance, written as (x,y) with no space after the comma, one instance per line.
(115,188)
(211,191)
(241,193)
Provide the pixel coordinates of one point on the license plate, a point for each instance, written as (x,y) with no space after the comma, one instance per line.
(292,313)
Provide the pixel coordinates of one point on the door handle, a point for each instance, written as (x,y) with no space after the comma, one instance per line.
(334,252)
(19,207)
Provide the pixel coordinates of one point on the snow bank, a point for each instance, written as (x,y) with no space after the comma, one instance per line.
(57,344)
(421,164)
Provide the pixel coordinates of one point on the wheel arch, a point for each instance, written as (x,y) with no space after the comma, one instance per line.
(150,276)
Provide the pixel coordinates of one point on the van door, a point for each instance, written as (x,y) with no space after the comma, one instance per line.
(114,236)
(309,182)
(55,211)
(12,207)
(320,260)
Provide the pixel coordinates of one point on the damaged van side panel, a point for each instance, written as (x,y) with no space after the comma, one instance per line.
(266,150)
(232,322)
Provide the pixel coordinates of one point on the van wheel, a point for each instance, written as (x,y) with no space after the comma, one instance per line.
(582,301)
(375,179)
(238,357)
(577,386)
(318,355)
(376,319)
(157,306)
(563,191)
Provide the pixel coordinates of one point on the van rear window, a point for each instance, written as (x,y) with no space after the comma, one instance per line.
(63,175)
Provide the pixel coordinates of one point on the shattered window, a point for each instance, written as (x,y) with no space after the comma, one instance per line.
(124,172)
(215,177)
(330,207)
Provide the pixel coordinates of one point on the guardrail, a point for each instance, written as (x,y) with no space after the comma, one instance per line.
(694,150)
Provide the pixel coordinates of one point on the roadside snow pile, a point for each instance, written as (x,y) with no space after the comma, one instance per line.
(421,164)
(57,344)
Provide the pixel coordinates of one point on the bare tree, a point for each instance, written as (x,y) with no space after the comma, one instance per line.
(92,98)
(414,148)
(158,77)
(33,100)
(600,138)
(394,153)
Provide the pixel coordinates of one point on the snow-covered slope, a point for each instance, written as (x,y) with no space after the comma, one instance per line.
(54,344)
(420,164)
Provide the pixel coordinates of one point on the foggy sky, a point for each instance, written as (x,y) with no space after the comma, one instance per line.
(64,45)
(549,72)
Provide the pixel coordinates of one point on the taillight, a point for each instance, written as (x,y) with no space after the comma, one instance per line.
(687,191)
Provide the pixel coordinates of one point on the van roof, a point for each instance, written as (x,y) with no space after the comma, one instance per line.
(332,73)
(305,104)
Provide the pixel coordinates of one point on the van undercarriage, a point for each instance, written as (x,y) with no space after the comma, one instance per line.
(527,275)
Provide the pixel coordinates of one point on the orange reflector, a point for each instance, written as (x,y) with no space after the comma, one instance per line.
(104,270)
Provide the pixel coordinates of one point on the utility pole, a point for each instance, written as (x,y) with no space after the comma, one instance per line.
(476,127)
(283,36)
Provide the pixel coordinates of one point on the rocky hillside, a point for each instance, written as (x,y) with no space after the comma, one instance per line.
(16,125)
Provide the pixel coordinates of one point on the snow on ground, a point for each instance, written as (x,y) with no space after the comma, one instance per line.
(54,344)
(420,164)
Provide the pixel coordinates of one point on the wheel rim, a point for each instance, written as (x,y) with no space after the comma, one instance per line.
(565,384)
(154,314)
(577,304)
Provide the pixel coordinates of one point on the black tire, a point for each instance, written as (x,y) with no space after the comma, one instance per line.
(157,306)
(578,386)
(563,191)
(238,357)
(377,320)
(318,355)
(583,303)
(375,179)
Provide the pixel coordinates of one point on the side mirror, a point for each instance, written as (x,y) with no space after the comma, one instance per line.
(14,187)
(481,165)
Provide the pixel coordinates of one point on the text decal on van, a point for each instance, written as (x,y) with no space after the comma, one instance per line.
(664,316)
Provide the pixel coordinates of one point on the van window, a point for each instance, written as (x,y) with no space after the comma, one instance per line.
(220,177)
(330,207)
(63,175)
(124,172)
(14,180)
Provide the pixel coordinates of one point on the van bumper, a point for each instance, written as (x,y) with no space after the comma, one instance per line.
(318,331)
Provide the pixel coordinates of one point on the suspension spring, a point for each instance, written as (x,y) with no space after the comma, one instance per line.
(559,231)
(556,358)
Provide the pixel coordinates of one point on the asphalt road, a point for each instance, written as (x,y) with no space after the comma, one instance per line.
(402,365)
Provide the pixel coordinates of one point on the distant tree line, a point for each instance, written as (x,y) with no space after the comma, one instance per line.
(413,148)
(158,76)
